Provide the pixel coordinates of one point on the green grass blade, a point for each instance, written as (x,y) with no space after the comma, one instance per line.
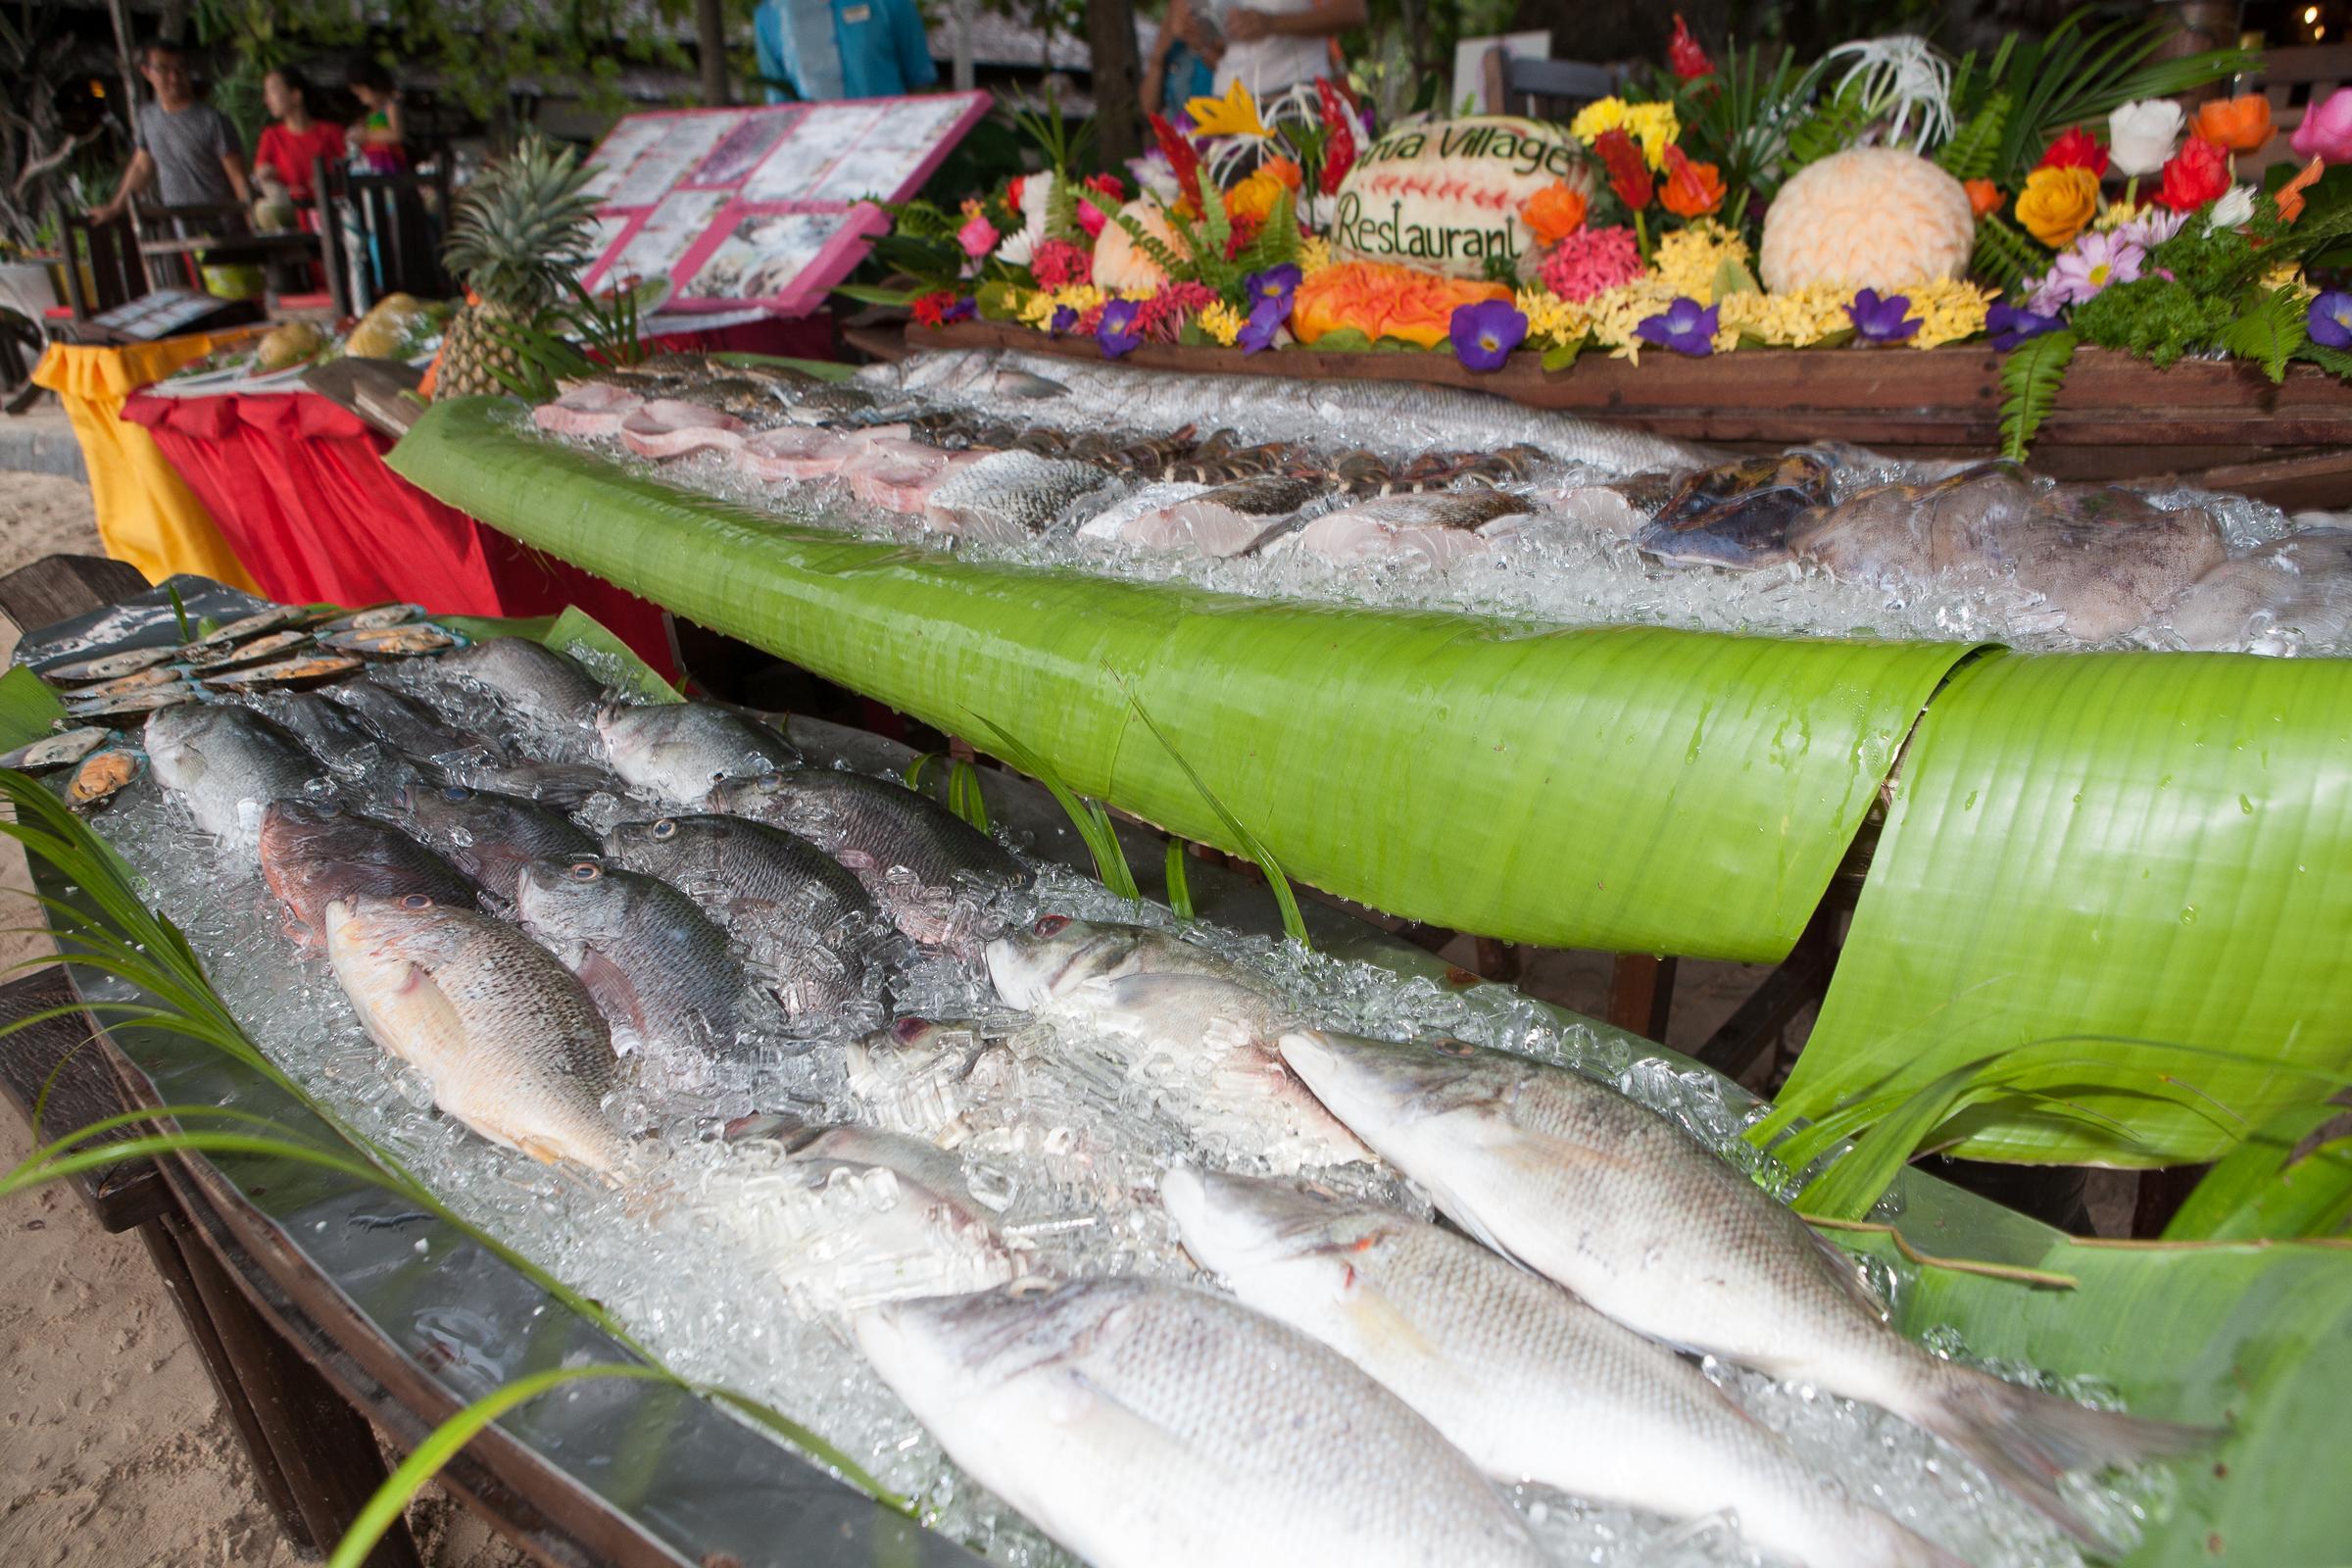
(1179,881)
(1087,816)
(2262,1191)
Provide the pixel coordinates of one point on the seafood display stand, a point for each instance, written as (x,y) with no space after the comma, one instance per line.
(313,1297)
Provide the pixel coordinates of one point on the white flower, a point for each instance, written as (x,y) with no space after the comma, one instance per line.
(1901,75)
(1019,247)
(2141,136)
(2231,208)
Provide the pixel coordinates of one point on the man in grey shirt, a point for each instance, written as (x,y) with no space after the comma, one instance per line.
(187,150)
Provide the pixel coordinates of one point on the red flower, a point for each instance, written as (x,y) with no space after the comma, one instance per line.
(1163,314)
(1684,55)
(1107,185)
(1629,175)
(1057,263)
(1182,155)
(1012,191)
(2076,149)
(1245,230)
(2198,172)
(931,309)
(1338,148)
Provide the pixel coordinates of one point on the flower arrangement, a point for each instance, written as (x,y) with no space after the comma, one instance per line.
(1885,198)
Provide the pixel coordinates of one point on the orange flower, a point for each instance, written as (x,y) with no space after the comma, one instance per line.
(1691,190)
(1284,169)
(1984,196)
(1381,300)
(2290,195)
(2240,124)
(1555,212)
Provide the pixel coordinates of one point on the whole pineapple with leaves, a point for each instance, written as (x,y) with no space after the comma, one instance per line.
(521,232)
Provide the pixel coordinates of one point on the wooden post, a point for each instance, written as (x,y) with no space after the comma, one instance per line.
(711,43)
(1117,75)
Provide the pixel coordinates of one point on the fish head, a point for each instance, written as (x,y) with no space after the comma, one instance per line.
(957,1350)
(665,841)
(801,800)
(311,834)
(1056,955)
(411,928)
(580,897)
(1398,1096)
(631,728)
(1234,1225)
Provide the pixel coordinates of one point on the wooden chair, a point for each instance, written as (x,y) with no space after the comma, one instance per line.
(392,244)
(2294,80)
(1551,90)
(105,255)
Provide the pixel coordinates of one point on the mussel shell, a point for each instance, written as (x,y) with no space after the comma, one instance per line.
(261,650)
(99,775)
(56,751)
(146,701)
(312,670)
(248,626)
(109,667)
(142,680)
(369,619)
(392,642)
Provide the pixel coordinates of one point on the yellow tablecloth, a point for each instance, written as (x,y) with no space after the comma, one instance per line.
(147,516)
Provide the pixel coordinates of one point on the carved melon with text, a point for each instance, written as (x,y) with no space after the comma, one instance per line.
(1447,196)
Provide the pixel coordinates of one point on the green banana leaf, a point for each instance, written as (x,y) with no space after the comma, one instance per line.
(1624,788)
(2144,849)
(2266,1189)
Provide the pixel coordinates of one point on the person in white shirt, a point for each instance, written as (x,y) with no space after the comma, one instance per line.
(1274,46)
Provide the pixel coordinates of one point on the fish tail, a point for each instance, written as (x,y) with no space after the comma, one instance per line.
(2029,1440)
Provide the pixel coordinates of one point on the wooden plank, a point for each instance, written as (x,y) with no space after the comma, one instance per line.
(379,391)
(61,1058)
(58,588)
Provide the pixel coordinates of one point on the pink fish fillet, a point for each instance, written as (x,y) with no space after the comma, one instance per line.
(1351,536)
(899,477)
(1196,528)
(666,428)
(593,407)
(793,452)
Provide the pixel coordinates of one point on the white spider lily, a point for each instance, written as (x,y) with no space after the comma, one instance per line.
(1901,75)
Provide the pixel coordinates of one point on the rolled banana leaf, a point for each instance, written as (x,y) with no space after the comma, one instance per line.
(1623,788)
(2146,851)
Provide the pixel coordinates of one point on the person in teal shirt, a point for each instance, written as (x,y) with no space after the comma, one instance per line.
(818,49)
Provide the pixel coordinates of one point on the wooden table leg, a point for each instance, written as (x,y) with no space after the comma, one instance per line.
(1641,993)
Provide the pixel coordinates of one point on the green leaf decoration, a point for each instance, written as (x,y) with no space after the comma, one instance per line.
(2005,257)
(1092,822)
(2030,378)
(2122,846)
(2265,1190)
(1561,356)
(1179,881)
(2269,332)
(1732,276)
(1342,340)
(1971,152)
(998,302)
(2336,362)
(2079,73)
(1836,122)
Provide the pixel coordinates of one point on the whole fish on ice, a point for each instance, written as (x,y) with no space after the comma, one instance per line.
(489,836)
(227,763)
(659,971)
(2292,593)
(1436,530)
(315,852)
(679,750)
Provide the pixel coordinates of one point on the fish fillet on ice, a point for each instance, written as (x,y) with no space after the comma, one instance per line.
(670,427)
(1227,519)
(1432,530)
(591,408)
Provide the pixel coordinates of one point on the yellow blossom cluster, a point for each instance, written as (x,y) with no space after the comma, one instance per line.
(2286,274)
(1314,254)
(1221,321)
(1794,320)
(1038,306)
(2115,215)
(1653,126)
(1691,257)
(1947,312)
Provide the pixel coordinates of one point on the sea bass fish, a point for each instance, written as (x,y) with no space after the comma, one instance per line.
(1527,1380)
(802,918)
(1390,418)
(927,867)
(1143,1424)
(679,750)
(506,1038)
(1196,1027)
(1007,496)
(491,837)
(1591,1189)
(226,764)
(315,852)
(661,972)
(551,693)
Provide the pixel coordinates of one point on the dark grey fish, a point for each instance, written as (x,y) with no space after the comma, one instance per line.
(679,750)
(547,690)
(491,837)
(407,727)
(802,918)
(228,764)
(328,730)
(1737,514)
(315,852)
(658,966)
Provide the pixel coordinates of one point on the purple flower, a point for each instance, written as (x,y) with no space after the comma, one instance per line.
(1275,282)
(1484,334)
(1681,326)
(1266,317)
(962,309)
(2330,321)
(1880,320)
(1116,331)
(2087,266)
(1065,316)
(2012,325)
(2151,228)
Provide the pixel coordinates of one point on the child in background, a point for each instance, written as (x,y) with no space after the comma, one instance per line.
(379,139)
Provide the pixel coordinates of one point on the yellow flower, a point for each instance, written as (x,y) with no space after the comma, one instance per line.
(1221,321)
(1037,306)
(1552,319)
(1314,254)
(1948,310)
(1796,319)
(1596,118)
(1234,115)
(2115,215)
(1654,127)
(2057,203)
(2286,274)
(1689,256)
(1255,196)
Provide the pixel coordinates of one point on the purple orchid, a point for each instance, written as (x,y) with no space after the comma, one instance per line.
(2012,325)
(1484,334)
(1880,320)
(1683,326)
(1275,282)
(2330,321)
(1116,331)
(1065,316)
(962,309)
(1266,318)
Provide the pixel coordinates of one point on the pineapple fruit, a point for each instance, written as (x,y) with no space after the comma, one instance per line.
(521,228)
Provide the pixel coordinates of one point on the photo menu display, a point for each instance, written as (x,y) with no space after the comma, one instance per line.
(767,206)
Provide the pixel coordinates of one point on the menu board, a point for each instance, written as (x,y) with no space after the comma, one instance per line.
(768,206)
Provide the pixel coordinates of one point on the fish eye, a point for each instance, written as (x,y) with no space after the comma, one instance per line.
(457,792)
(1453,1048)
(330,807)
(665,828)
(1047,925)
(906,1031)
(416,900)
(586,870)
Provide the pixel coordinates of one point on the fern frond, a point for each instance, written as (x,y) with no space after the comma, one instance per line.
(2030,378)
(2003,257)
(1834,125)
(1971,152)
(2336,362)
(2269,332)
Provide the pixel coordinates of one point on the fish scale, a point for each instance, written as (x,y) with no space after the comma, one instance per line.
(1145,1425)
(656,965)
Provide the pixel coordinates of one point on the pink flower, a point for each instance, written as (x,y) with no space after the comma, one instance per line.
(1165,314)
(1059,263)
(2087,266)
(2151,228)
(2327,129)
(1591,260)
(1091,218)
(977,237)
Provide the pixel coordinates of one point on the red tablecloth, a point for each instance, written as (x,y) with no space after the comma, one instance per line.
(300,491)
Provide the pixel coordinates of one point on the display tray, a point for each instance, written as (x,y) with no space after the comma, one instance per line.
(2220,422)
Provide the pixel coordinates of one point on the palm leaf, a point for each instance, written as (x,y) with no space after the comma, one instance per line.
(2030,378)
